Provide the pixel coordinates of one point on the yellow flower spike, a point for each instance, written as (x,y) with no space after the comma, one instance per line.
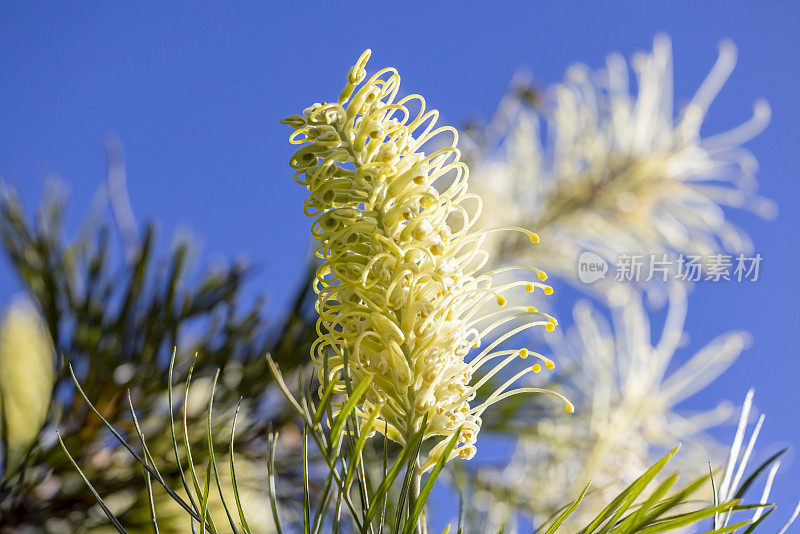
(401,287)
(536,368)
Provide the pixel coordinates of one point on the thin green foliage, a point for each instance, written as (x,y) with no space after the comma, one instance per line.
(341,443)
(566,513)
(634,511)
(109,514)
(115,305)
(232,466)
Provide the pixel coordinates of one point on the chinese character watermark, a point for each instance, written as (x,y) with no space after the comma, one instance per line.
(664,267)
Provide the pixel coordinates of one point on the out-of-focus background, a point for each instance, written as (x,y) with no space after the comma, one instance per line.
(195,91)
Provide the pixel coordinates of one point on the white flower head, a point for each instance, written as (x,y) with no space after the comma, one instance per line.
(600,167)
(401,291)
(627,389)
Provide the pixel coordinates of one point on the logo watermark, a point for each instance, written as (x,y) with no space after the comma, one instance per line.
(684,267)
(591,267)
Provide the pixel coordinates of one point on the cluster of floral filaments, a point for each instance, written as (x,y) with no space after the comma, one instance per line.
(609,166)
(401,298)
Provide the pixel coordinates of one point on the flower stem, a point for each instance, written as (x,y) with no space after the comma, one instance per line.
(416,483)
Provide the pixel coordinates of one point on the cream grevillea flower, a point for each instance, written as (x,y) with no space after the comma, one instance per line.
(401,293)
(27,374)
(599,166)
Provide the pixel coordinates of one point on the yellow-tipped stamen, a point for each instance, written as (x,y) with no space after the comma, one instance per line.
(477,363)
(493,400)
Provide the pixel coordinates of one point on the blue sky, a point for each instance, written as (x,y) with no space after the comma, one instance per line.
(195,92)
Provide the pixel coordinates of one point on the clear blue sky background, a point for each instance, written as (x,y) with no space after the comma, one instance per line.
(195,92)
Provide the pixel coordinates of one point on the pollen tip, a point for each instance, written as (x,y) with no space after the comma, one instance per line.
(549,364)
(570,408)
(529,287)
(533,237)
(465,453)
(550,327)
(548,290)
(532,309)
(536,368)
(501,300)
(523,353)
(542,276)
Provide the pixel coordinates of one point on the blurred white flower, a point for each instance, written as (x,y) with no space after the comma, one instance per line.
(27,373)
(619,172)
(625,398)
